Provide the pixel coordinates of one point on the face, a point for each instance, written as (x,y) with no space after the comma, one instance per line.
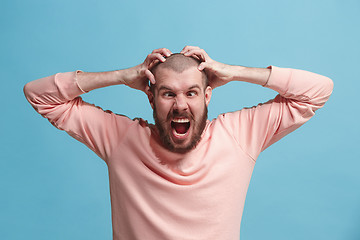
(180,103)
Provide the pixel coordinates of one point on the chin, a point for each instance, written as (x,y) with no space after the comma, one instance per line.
(186,145)
(183,149)
(180,134)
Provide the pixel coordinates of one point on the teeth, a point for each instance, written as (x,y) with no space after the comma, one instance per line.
(181,120)
(179,134)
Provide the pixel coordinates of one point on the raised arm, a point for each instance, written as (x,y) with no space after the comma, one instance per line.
(301,93)
(57,98)
(220,73)
(136,77)
(294,84)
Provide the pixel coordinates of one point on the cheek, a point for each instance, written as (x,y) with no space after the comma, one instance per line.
(162,108)
(198,106)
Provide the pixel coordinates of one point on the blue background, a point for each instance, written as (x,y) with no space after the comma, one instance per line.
(304,187)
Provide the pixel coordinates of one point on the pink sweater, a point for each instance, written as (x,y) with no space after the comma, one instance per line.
(157,194)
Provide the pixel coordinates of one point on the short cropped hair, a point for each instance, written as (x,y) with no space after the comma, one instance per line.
(178,63)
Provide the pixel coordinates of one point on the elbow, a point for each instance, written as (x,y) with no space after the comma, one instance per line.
(329,86)
(27,91)
(324,93)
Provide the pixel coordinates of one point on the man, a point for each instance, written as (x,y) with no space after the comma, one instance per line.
(185,177)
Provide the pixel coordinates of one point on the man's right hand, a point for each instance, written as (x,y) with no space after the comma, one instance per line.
(137,77)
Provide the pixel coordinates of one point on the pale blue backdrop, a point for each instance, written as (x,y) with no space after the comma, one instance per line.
(306,186)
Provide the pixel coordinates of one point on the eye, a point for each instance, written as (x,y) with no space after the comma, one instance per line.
(168,94)
(191,93)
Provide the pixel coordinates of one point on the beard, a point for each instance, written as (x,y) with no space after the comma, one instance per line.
(198,128)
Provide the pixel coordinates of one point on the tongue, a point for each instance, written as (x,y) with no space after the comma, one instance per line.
(180,128)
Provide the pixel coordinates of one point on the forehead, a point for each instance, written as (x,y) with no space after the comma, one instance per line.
(174,80)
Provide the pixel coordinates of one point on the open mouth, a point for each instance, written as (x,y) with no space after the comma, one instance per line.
(180,125)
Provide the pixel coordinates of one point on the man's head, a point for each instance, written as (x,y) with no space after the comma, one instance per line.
(179,99)
(178,63)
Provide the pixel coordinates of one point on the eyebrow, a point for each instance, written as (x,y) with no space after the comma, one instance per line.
(169,88)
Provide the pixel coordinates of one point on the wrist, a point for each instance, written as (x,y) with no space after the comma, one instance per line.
(252,75)
(238,73)
(125,76)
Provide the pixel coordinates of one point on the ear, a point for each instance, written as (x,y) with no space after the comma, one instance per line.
(208,92)
(150,96)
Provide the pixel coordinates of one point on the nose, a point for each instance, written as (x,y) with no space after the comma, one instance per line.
(180,103)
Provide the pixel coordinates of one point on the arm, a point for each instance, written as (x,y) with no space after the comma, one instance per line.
(136,77)
(220,73)
(57,98)
(306,83)
(301,93)
(293,84)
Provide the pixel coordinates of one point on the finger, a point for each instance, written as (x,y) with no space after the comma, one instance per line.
(153,63)
(167,52)
(188,48)
(159,56)
(196,57)
(155,56)
(164,51)
(202,66)
(150,76)
(197,52)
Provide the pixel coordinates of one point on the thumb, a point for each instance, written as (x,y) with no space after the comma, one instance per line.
(202,66)
(150,76)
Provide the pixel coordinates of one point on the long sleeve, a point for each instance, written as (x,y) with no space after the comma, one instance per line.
(57,98)
(301,93)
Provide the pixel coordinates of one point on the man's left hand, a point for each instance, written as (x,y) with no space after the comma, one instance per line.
(218,73)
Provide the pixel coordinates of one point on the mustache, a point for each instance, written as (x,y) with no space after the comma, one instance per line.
(175,114)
